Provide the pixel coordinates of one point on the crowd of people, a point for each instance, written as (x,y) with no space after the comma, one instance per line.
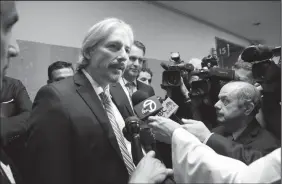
(72,132)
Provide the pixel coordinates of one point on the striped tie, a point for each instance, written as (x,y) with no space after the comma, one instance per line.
(108,104)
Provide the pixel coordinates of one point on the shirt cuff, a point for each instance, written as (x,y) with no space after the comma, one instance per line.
(206,140)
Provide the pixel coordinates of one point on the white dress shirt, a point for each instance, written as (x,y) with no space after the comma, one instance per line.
(8,172)
(195,162)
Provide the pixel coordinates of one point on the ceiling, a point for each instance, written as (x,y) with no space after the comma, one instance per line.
(235,17)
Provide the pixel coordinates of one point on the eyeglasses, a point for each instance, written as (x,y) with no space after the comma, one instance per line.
(134,58)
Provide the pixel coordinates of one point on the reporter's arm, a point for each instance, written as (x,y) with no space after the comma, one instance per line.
(195,162)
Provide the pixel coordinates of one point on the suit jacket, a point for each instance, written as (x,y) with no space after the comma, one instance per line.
(253,143)
(121,100)
(15,111)
(195,162)
(71,139)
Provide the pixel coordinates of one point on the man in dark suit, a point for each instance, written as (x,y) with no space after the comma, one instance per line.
(15,111)
(9,48)
(122,91)
(240,136)
(75,128)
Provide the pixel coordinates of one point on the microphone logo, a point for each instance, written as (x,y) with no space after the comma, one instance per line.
(149,106)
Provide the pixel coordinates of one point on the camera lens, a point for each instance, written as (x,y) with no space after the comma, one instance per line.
(172,80)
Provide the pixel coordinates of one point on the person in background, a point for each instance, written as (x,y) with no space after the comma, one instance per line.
(128,84)
(59,70)
(145,76)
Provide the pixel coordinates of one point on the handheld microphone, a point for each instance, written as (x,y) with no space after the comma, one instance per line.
(167,109)
(132,126)
(258,53)
(145,106)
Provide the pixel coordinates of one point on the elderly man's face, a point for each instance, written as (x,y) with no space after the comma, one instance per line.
(228,108)
(9,47)
(135,62)
(109,58)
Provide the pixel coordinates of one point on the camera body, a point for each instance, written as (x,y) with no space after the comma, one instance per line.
(171,77)
(207,80)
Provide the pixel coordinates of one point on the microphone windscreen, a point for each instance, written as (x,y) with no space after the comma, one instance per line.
(139,96)
(131,119)
(256,53)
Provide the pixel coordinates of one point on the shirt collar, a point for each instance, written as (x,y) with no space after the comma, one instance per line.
(97,88)
(236,134)
(126,81)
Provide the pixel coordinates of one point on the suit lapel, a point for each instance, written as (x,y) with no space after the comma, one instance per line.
(87,93)
(120,98)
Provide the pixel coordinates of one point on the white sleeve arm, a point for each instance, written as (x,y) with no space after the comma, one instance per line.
(195,162)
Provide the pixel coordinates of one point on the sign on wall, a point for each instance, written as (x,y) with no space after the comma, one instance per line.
(227,52)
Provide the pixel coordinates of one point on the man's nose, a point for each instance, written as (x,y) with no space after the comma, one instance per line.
(123,56)
(13,49)
(217,105)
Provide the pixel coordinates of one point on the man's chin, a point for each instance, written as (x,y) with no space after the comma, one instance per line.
(220,120)
(114,78)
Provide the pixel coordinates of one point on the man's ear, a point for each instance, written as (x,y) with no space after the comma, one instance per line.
(249,107)
(87,53)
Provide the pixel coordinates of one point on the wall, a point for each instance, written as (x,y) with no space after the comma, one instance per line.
(64,23)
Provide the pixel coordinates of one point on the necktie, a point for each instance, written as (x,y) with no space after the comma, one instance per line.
(130,86)
(108,104)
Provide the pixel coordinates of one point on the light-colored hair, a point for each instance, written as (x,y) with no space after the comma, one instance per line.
(97,34)
(247,92)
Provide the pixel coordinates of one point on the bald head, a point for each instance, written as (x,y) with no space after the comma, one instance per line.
(245,92)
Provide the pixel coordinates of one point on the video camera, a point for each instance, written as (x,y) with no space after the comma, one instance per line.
(202,86)
(264,69)
(173,72)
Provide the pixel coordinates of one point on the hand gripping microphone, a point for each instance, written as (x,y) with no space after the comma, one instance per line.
(132,129)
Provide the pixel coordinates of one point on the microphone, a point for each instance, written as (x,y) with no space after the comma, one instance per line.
(166,109)
(258,53)
(132,126)
(144,105)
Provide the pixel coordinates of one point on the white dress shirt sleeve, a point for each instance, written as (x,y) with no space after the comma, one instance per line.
(194,162)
